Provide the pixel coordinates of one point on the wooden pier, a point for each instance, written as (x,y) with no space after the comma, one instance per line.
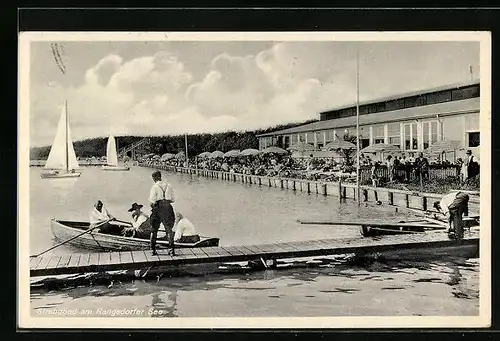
(416,245)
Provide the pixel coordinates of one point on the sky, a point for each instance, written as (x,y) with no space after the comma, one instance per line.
(177,87)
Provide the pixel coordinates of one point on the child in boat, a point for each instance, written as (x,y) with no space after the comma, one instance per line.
(140,223)
(453,206)
(185,232)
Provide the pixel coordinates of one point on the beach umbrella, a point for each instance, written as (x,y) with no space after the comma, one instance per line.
(166,156)
(204,155)
(380,147)
(180,155)
(339,144)
(216,154)
(232,153)
(275,150)
(444,146)
(301,147)
(249,151)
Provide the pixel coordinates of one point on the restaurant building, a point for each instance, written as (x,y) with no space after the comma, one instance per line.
(411,121)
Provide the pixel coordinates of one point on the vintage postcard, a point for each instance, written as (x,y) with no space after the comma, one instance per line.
(254,180)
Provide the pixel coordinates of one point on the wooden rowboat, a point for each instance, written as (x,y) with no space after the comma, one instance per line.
(65,230)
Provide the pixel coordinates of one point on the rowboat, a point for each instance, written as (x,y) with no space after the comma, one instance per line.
(65,230)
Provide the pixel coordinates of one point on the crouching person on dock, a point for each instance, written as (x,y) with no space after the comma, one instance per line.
(161,197)
(141,226)
(454,205)
(185,232)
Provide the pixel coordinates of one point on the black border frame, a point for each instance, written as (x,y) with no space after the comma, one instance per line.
(261,19)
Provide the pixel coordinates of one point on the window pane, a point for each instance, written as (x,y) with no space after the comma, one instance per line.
(310,137)
(294,138)
(395,141)
(434,132)
(474,139)
(378,131)
(425,127)
(329,136)
(407,136)
(414,136)
(375,141)
(393,129)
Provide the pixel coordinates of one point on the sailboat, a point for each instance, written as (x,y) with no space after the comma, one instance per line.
(112,157)
(62,158)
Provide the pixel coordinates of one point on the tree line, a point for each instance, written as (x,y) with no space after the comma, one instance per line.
(197,143)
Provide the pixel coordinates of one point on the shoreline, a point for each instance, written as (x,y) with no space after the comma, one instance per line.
(412,200)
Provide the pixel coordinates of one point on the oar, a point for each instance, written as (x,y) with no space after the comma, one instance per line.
(86,231)
(373,224)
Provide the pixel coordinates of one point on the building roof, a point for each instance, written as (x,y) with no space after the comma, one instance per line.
(447,108)
(405,94)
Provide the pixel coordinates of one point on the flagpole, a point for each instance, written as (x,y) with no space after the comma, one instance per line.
(186,143)
(357,127)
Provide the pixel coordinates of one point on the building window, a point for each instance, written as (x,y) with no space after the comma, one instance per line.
(295,138)
(395,104)
(473,139)
(378,134)
(302,137)
(438,97)
(310,137)
(464,93)
(329,136)
(393,133)
(429,130)
(434,131)
(426,135)
(410,136)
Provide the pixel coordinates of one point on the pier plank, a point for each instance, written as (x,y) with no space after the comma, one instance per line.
(183,254)
(163,256)
(139,256)
(73,262)
(115,258)
(84,260)
(54,260)
(210,251)
(104,258)
(126,257)
(34,261)
(234,250)
(93,260)
(199,252)
(43,263)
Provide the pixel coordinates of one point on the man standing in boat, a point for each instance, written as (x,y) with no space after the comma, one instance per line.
(454,205)
(161,197)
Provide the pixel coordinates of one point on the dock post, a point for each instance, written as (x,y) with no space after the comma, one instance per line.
(340,190)
(391,198)
(365,194)
(407,200)
(281,183)
(294,185)
(269,181)
(424,203)
(308,187)
(323,187)
(260,181)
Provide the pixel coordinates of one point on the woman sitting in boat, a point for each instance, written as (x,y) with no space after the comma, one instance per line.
(185,232)
(99,216)
(141,226)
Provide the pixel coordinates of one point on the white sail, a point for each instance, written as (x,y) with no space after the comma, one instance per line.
(112,158)
(62,153)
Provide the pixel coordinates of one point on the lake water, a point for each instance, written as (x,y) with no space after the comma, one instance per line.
(247,214)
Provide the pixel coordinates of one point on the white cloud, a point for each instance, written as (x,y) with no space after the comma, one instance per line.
(293,81)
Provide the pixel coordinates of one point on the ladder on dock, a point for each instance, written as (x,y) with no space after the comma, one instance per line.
(46,265)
